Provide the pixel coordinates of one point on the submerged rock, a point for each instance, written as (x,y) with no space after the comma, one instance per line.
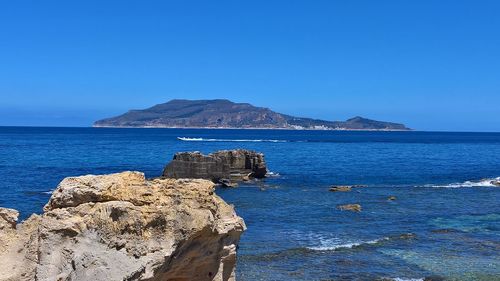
(495,182)
(340,188)
(434,278)
(408,236)
(443,230)
(227,183)
(345,188)
(428,278)
(233,165)
(350,207)
(124,227)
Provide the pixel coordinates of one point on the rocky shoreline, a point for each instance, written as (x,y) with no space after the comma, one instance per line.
(125,227)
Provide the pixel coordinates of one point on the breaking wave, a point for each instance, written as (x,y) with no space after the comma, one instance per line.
(334,244)
(480,183)
(228,140)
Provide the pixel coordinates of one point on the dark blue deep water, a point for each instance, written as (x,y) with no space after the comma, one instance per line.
(445,221)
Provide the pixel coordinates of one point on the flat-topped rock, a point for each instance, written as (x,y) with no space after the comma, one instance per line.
(123,227)
(350,207)
(232,165)
(340,188)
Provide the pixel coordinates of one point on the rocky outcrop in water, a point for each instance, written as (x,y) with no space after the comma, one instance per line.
(350,207)
(223,166)
(123,227)
(340,188)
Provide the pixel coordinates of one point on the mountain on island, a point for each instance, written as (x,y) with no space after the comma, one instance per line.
(226,114)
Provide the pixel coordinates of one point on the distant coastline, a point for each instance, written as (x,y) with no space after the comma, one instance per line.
(225,114)
(252,128)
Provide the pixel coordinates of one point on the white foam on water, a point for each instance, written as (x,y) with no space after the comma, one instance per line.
(480,183)
(189,139)
(48,192)
(272,174)
(228,140)
(335,244)
(407,279)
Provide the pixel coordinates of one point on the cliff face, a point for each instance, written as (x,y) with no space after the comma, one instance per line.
(227,114)
(123,227)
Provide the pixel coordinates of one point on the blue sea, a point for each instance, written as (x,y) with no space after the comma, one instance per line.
(445,221)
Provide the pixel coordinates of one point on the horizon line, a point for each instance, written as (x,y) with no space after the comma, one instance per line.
(277,129)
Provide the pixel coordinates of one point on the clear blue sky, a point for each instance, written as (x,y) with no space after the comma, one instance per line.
(433,65)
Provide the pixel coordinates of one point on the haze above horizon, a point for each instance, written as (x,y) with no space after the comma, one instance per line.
(432,65)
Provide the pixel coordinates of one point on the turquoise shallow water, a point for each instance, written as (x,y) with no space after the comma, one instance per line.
(445,221)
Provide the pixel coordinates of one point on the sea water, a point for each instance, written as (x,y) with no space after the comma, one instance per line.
(445,220)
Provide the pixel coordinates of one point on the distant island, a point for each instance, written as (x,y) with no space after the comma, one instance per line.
(222,113)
